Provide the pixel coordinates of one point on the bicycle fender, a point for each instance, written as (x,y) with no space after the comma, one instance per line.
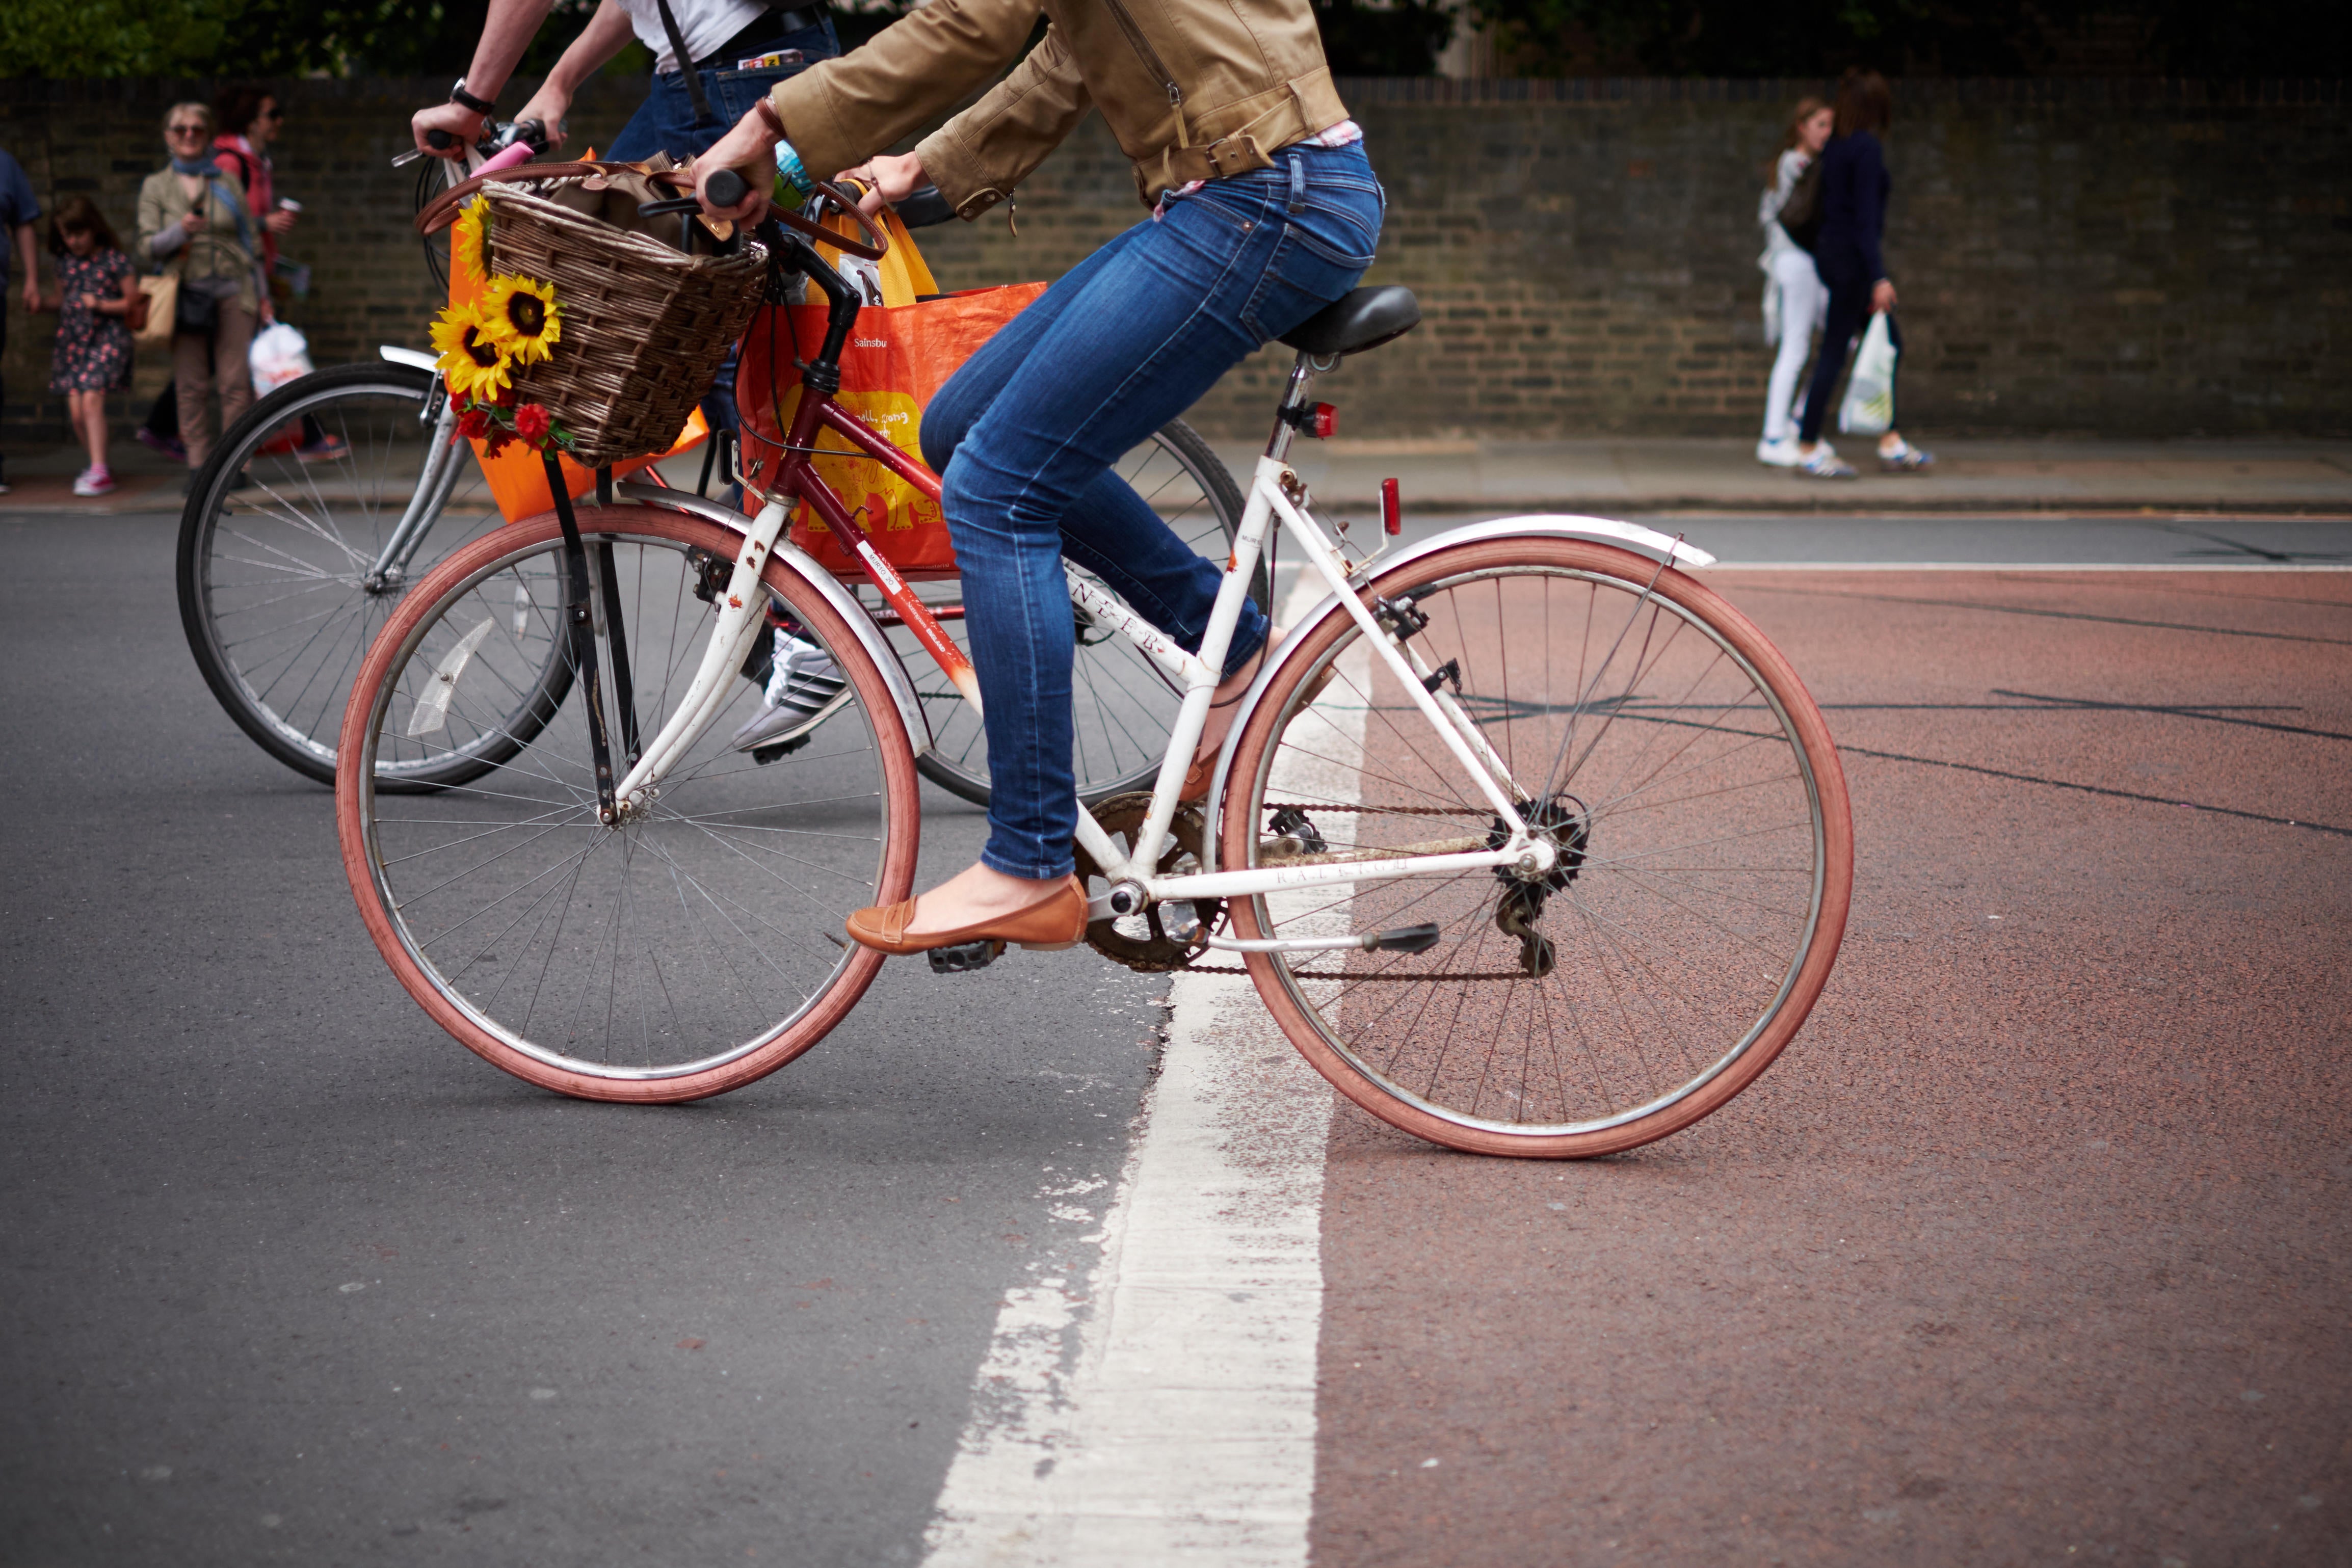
(1556,525)
(410,357)
(797,561)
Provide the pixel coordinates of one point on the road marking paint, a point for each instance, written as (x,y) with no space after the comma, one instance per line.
(1166,1413)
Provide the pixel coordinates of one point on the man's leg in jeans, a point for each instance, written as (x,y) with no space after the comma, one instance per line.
(1848,304)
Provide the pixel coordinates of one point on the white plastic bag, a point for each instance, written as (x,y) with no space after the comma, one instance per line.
(278,355)
(1869,407)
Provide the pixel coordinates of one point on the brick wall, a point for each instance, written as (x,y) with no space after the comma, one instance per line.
(2120,258)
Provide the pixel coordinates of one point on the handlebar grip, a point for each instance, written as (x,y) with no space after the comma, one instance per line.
(923,208)
(440,140)
(726,188)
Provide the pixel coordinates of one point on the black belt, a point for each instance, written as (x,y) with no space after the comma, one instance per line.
(763,29)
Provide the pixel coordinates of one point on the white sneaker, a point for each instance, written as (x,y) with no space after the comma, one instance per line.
(94,482)
(1825,463)
(804,689)
(1781,453)
(1904,458)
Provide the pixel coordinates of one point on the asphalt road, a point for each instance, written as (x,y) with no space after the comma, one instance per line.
(290,1276)
(2035,1241)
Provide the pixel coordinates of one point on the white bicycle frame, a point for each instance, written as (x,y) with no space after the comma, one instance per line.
(1134,881)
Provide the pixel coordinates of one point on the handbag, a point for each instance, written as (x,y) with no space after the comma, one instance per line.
(1800,215)
(903,352)
(150,327)
(196,311)
(1869,406)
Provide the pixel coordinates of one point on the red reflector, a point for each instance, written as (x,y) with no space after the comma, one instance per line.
(1391,508)
(1327,421)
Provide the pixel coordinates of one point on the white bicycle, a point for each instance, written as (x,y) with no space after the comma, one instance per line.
(1530,841)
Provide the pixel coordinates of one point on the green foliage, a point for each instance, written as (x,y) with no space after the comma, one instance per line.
(1402,38)
(74,39)
(1922,38)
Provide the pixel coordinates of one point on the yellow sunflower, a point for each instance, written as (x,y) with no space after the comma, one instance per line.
(521,314)
(474,364)
(469,241)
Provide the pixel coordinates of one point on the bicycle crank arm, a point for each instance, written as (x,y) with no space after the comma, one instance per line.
(742,616)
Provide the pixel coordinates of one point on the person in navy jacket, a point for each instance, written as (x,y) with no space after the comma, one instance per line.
(1846,252)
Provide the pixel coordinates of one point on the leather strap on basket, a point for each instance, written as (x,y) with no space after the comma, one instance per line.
(442,210)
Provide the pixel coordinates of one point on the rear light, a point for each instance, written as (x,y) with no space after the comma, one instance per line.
(1391,508)
(1327,421)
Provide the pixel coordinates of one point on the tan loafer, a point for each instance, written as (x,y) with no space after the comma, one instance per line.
(1054,922)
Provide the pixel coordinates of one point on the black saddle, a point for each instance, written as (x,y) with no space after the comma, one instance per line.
(1363,319)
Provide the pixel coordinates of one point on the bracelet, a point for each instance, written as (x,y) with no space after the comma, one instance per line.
(482,105)
(768,112)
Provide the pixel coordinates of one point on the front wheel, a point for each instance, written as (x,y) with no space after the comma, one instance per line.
(1672,755)
(695,946)
(283,578)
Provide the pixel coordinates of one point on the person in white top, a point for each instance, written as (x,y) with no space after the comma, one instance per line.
(1794,297)
(739,50)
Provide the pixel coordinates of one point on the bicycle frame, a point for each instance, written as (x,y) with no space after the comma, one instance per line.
(1276,498)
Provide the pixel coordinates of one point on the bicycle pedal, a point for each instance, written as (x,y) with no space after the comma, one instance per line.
(767,754)
(965,956)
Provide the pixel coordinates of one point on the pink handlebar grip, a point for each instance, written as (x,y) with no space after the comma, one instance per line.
(521,153)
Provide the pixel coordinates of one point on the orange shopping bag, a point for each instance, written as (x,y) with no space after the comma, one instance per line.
(517,475)
(898,359)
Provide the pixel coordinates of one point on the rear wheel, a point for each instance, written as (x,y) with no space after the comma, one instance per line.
(1689,783)
(692,948)
(280,583)
(1122,705)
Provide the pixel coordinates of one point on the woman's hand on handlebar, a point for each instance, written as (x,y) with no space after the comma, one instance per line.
(462,124)
(888,179)
(749,148)
(549,105)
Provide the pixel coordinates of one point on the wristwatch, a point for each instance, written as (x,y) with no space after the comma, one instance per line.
(481,106)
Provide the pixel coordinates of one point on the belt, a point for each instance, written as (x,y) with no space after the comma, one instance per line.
(765,27)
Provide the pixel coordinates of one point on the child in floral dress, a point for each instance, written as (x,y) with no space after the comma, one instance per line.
(93,355)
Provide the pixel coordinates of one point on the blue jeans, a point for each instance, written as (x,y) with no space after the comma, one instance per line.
(1024,436)
(665,123)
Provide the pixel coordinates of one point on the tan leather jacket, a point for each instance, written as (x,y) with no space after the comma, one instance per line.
(1193,90)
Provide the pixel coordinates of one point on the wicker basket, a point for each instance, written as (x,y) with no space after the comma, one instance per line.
(645,327)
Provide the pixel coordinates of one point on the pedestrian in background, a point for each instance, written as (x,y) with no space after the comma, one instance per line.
(1794,297)
(194,222)
(1855,186)
(96,291)
(18,213)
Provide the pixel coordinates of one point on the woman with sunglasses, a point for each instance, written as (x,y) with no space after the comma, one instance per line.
(194,224)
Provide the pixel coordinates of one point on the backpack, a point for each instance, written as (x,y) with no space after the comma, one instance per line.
(1801,214)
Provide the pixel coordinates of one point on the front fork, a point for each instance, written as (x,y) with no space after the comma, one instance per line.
(443,464)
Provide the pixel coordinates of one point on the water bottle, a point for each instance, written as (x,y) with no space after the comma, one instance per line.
(792,182)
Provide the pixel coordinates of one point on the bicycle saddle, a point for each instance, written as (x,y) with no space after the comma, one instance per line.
(1365,318)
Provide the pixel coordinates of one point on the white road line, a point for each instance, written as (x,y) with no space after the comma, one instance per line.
(1165,1414)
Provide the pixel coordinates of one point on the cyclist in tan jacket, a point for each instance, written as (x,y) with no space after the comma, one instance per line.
(1263,210)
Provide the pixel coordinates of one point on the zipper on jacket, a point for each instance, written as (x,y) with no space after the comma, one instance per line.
(1151,58)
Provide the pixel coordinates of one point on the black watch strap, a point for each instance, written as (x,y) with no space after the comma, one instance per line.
(478,105)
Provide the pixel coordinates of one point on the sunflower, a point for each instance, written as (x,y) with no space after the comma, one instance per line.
(474,364)
(469,242)
(523,315)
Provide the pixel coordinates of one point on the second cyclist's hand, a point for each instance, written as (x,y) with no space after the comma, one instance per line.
(887,179)
(549,105)
(464,126)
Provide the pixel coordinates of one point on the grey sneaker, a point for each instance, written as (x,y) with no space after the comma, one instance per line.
(804,688)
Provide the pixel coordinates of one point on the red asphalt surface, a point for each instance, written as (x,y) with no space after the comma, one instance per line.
(2032,1247)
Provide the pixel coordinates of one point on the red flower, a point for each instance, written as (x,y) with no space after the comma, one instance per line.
(532,422)
(474,423)
(499,440)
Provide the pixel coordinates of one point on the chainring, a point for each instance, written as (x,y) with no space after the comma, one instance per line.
(1122,817)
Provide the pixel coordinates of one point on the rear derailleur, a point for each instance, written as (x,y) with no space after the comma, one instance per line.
(1564,820)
